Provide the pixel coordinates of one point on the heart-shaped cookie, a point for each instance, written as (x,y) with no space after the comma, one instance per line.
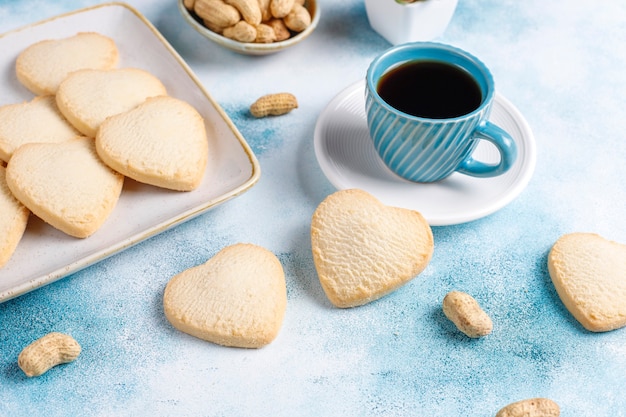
(237,298)
(363,249)
(13,220)
(88,97)
(38,120)
(43,65)
(162,142)
(589,274)
(65,184)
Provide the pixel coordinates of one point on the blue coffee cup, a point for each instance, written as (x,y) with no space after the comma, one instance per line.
(426,148)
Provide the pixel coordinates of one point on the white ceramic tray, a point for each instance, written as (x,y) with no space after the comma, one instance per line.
(45,254)
(348,158)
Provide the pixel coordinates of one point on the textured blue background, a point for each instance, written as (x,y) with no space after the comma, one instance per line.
(560,62)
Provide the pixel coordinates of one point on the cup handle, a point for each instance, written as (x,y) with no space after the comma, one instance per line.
(506,146)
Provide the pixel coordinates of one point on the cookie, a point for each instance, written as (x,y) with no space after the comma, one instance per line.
(237,298)
(43,65)
(87,97)
(363,249)
(65,184)
(13,220)
(162,142)
(589,274)
(38,120)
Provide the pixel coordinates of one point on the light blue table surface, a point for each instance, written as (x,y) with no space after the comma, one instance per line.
(561,63)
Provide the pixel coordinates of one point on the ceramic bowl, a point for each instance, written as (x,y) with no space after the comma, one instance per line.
(252,48)
(398,22)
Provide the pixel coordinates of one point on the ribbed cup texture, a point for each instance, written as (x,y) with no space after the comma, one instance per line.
(421,150)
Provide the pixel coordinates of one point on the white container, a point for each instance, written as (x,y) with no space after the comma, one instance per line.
(399,23)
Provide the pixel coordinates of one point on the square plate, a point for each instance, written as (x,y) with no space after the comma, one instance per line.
(45,254)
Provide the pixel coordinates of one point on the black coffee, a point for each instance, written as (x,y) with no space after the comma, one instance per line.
(430,89)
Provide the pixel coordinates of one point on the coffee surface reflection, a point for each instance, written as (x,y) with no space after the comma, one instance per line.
(430,89)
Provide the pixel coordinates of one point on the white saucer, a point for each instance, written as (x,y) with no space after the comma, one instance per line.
(347,157)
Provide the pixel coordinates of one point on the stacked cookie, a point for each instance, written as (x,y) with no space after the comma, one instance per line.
(90,125)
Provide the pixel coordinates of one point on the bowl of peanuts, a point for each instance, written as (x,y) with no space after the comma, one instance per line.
(252,27)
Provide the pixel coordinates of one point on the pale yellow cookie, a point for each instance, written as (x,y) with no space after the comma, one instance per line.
(363,249)
(589,274)
(38,120)
(43,65)
(237,298)
(162,142)
(65,184)
(88,97)
(13,220)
